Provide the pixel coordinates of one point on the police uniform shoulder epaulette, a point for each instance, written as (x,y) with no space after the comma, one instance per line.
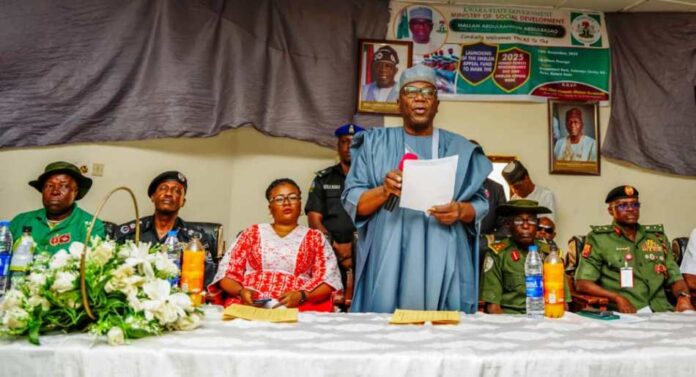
(499,245)
(656,228)
(323,172)
(602,228)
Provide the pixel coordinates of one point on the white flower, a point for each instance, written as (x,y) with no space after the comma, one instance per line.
(102,253)
(15,318)
(115,336)
(164,264)
(76,249)
(64,282)
(35,282)
(188,323)
(35,301)
(59,259)
(138,256)
(161,306)
(13,299)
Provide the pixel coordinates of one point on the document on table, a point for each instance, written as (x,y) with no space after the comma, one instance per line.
(259,314)
(428,183)
(436,317)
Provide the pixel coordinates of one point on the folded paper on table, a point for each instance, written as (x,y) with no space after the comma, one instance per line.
(259,314)
(428,183)
(436,317)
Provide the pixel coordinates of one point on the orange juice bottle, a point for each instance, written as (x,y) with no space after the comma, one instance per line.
(554,283)
(193,269)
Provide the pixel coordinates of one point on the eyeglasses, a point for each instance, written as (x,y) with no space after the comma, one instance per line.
(519,221)
(626,206)
(62,186)
(412,92)
(546,228)
(280,199)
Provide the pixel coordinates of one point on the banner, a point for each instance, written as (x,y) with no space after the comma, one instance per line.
(507,53)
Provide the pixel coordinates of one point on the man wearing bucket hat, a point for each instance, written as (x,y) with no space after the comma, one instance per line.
(405,258)
(503,283)
(628,263)
(384,69)
(167,191)
(61,221)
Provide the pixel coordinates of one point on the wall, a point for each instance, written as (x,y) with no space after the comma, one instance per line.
(229,173)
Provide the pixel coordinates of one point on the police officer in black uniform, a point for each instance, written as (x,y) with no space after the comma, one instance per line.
(168,193)
(324,210)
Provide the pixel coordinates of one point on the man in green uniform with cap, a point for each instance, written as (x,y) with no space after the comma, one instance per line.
(503,279)
(60,222)
(628,263)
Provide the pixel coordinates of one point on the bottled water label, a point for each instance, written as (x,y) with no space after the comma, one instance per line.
(534,285)
(5,264)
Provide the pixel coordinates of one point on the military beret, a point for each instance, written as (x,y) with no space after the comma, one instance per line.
(348,129)
(421,12)
(386,54)
(621,192)
(514,172)
(167,176)
(514,207)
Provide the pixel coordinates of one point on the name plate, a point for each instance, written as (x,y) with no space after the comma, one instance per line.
(436,317)
(260,314)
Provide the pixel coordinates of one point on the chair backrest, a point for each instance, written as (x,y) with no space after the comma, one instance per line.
(678,248)
(575,245)
(214,231)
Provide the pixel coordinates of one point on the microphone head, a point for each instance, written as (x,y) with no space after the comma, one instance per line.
(407,156)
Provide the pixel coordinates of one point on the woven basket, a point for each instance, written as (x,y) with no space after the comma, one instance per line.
(83,283)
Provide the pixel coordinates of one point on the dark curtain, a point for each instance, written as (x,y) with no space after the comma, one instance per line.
(653,94)
(97,70)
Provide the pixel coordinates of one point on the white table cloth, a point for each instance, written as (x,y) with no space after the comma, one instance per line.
(366,345)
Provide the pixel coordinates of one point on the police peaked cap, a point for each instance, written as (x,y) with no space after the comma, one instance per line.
(348,129)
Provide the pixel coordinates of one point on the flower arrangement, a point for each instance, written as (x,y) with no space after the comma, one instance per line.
(127,291)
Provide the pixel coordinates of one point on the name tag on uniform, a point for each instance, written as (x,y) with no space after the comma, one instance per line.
(626,277)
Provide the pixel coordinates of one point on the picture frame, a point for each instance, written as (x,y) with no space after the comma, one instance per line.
(381,64)
(574,138)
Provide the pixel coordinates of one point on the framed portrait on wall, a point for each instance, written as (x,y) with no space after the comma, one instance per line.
(574,138)
(381,65)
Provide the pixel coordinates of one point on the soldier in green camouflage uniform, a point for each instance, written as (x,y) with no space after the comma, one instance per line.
(503,279)
(641,252)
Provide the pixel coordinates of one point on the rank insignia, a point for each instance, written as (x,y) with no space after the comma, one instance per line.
(515,255)
(617,230)
(586,251)
(651,246)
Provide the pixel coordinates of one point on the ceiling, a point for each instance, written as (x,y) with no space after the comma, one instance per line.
(599,5)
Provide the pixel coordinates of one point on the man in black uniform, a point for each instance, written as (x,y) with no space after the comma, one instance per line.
(324,210)
(168,193)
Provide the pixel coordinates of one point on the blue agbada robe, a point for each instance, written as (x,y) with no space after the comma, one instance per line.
(437,269)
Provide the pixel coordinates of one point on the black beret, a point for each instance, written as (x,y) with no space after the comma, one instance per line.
(621,192)
(167,176)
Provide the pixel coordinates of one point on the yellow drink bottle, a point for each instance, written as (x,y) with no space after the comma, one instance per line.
(554,284)
(193,269)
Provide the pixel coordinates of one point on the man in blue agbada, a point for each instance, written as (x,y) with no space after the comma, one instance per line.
(407,259)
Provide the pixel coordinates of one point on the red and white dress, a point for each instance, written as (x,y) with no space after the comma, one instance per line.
(272,265)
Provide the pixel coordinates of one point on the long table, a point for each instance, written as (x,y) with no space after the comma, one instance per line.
(366,345)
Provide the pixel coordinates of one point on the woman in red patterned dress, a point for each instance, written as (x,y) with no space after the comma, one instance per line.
(285,261)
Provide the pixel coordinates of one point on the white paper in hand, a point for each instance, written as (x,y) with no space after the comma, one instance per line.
(427,183)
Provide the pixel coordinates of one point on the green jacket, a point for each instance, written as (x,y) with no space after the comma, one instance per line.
(654,268)
(73,228)
(503,275)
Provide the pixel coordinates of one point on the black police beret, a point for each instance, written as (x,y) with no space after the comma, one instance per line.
(621,192)
(167,176)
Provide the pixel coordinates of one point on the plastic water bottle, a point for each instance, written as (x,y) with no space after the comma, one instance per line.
(193,270)
(5,256)
(554,284)
(173,248)
(534,283)
(22,256)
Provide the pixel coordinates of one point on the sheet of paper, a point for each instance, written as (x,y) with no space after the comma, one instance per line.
(404,317)
(259,314)
(427,183)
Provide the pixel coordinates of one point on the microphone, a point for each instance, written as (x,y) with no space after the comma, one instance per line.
(393,199)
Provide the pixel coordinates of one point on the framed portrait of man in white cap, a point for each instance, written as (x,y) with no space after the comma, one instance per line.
(574,138)
(381,65)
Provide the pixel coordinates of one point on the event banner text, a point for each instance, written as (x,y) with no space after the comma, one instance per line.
(508,53)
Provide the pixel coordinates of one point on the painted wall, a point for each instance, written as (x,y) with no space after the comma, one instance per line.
(229,173)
